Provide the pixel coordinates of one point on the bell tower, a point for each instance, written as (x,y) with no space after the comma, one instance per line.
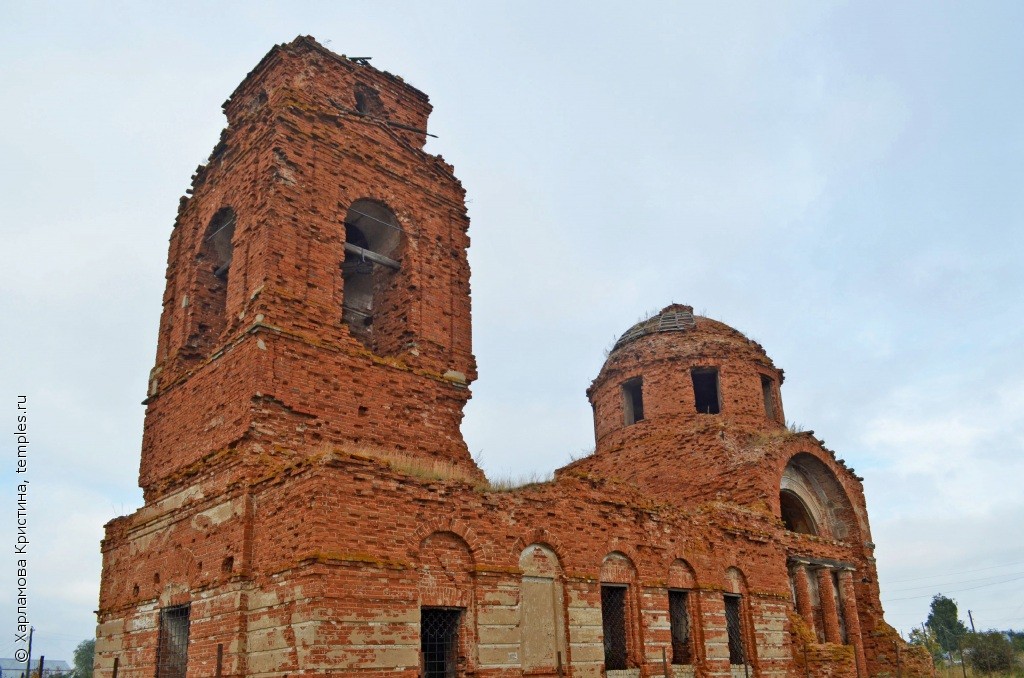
(317,282)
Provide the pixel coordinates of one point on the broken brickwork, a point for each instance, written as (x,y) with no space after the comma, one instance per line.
(311,507)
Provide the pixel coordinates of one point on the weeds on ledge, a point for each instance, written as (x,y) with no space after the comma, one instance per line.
(429,469)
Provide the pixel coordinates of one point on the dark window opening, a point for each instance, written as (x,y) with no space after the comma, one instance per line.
(679,620)
(840,610)
(209,300)
(371,278)
(734,627)
(355,237)
(613,619)
(172,644)
(819,615)
(768,390)
(795,515)
(439,641)
(217,249)
(368,100)
(705,390)
(633,400)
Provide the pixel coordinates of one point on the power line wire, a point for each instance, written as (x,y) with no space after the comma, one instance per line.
(955,583)
(953,574)
(971,588)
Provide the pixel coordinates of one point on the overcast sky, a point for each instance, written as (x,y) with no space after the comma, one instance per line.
(840,181)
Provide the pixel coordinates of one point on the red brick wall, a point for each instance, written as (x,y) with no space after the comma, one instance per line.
(292,161)
(306,495)
(353,542)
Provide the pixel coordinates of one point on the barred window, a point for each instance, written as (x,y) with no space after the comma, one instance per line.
(735,628)
(679,619)
(613,619)
(439,641)
(172,648)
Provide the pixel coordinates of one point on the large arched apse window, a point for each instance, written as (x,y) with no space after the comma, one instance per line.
(795,515)
(811,500)
(371,272)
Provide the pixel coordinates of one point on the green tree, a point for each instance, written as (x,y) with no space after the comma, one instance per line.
(945,624)
(1017,640)
(989,652)
(926,639)
(83,658)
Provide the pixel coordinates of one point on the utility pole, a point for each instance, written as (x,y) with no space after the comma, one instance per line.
(971,617)
(28,661)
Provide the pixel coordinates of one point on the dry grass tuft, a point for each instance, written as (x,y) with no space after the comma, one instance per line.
(417,466)
(430,469)
(513,483)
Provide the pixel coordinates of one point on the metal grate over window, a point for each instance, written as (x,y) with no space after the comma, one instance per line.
(613,618)
(679,619)
(735,628)
(439,641)
(172,648)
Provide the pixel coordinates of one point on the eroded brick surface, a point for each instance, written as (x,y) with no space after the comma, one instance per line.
(308,492)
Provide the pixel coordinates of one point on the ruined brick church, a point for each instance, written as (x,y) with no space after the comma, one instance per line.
(312,509)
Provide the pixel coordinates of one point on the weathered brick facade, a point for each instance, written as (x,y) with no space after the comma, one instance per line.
(311,507)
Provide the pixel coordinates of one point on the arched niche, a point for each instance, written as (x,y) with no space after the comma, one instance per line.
(617,568)
(735,581)
(538,560)
(680,575)
(542,613)
(446,567)
(209,298)
(372,306)
(811,500)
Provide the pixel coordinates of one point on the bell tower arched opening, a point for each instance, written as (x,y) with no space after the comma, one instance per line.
(371,274)
(213,263)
